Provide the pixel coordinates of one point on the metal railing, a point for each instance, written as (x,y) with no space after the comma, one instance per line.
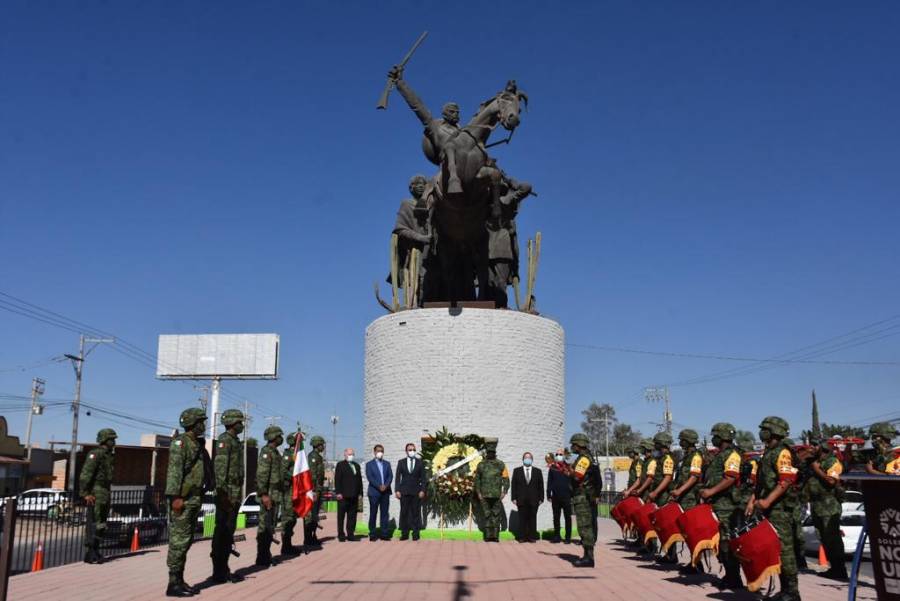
(49,522)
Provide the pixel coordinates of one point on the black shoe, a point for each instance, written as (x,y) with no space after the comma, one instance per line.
(342,538)
(730,583)
(386,537)
(89,557)
(404,536)
(689,570)
(373,538)
(353,539)
(178,590)
(568,541)
(833,574)
(586,561)
(194,590)
(415,536)
(289,549)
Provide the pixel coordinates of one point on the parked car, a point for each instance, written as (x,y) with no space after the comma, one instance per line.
(851,528)
(41,502)
(853,501)
(250,508)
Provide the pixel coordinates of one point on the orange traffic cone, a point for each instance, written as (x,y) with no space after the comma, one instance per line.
(823,559)
(135,541)
(37,564)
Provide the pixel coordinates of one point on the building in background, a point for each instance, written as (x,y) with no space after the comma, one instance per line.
(12,462)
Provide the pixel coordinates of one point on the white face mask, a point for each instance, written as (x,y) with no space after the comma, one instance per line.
(349,457)
(379,455)
(560,457)
(411,454)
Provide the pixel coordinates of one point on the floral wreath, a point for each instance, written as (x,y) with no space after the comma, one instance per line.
(450,495)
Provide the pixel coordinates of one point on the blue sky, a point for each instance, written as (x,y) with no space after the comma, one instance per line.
(713,178)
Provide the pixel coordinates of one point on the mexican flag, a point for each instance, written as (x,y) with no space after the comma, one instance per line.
(302,490)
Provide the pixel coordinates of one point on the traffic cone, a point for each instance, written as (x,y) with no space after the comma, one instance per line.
(135,541)
(823,559)
(37,564)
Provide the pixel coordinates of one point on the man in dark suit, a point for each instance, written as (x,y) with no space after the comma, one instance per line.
(559,491)
(527,494)
(348,488)
(379,475)
(410,491)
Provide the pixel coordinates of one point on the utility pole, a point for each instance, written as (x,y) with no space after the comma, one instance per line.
(660,393)
(273,419)
(334,421)
(214,411)
(78,366)
(37,389)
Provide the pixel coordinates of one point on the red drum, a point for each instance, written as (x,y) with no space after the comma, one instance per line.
(758,548)
(665,523)
(626,508)
(614,513)
(700,529)
(643,523)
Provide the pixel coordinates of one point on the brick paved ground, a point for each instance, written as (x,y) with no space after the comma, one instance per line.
(425,570)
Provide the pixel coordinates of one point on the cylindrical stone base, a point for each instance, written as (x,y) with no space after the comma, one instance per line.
(495,373)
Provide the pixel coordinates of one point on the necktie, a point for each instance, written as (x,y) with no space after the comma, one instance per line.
(527,475)
(409,465)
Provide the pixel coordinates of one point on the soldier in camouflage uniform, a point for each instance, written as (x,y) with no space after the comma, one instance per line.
(824,491)
(749,469)
(884,462)
(288,515)
(634,468)
(648,470)
(797,500)
(228,465)
(580,472)
(720,490)
(269,485)
(663,478)
(689,471)
(774,489)
(316,459)
(189,475)
(491,486)
(96,479)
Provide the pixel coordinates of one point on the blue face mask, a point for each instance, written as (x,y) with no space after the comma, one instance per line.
(527,461)
(571,457)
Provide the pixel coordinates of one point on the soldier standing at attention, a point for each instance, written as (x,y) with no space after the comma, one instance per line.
(288,516)
(720,491)
(317,474)
(665,469)
(824,491)
(774,487)
(491,486)
(96,479)
(229,468)
(689,472)
(649,471)
(189,475)
(269,484)
(581,497)
(634,469)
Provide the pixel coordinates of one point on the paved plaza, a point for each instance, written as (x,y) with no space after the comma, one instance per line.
(395,570)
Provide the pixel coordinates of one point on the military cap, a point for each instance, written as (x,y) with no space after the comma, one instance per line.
(291,439)
(689,436)
(580,439)
(883,429)
(646,444)
(490,444)
(776,425)
(663,439)
(231,417)
(316,441)
(723,430)
(106,434)
(191,416)
(745,441)
(272,433)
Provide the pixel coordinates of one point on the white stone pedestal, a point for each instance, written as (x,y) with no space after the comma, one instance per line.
(495,373)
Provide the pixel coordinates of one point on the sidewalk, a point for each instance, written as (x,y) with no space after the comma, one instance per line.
(432,570)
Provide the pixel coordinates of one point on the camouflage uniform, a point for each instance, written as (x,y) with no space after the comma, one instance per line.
(317,475)
(726,463)
(581,498)
(288,515)
(188,476)
(634,470)
(228,464)
(691,465)
(491,485)
(96,480)
(778,465)
(825,505)
(885,461)
(665,466)
(269,482)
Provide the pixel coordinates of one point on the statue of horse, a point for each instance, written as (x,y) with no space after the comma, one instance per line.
(466,191)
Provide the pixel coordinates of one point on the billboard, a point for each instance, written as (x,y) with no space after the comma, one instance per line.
(225,356)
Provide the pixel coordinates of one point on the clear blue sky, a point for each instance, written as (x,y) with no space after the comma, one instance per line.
(713,178)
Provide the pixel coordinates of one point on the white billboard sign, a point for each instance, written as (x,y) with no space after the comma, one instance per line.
(225,356)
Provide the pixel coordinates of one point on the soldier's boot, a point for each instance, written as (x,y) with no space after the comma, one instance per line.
(263,553)
(97,556)
(732,579)
(286,547)
(587,560)
(195,590)
(176,586)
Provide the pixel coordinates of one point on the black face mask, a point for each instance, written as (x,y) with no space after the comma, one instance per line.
(491,454)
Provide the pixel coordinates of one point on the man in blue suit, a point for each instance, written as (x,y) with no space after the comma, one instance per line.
(379,476)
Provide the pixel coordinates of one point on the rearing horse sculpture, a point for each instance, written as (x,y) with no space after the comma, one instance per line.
(466,194)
